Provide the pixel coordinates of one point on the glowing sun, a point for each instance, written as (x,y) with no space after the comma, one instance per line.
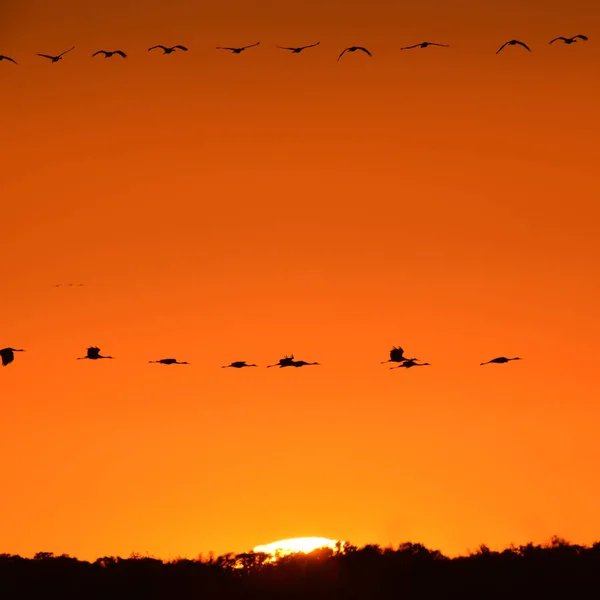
(293,545)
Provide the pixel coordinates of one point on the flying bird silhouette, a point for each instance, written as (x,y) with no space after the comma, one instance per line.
(513,43)
(7,355)
(411,363)
(93,353)
(69,284)
(109,53)
(238,365)
(2,57)
(299,49)
(354,49)
(56,58)
(300,363)
(169,361)
(237,50)
(397,355)
(424,45)
(500,360)
(570,40)
(286,361)
(168,50)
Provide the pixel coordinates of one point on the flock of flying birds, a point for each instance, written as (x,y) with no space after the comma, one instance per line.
(293,50)
(396,356)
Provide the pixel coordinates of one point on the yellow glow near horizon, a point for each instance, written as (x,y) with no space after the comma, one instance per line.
(293,545)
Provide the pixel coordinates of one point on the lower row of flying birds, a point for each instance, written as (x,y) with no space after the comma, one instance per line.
(396,356)
(293,50)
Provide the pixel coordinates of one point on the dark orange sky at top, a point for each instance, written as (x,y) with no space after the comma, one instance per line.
(223,207)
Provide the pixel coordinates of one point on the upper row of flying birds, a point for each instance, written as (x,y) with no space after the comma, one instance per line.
(293,50)
(396,356)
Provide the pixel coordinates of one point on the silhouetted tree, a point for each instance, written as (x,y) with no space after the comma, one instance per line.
(410,571)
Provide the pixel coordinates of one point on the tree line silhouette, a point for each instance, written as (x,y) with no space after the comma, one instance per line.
(554,569)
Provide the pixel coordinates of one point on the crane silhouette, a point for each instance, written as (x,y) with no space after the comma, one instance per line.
(299,49)
(424,45)
(237,50)
(397,355)
(286,361)
(169,361)
(93,353)
(169,49)
(301,363)
(2,57)
(514,43)
(354,49)
(7,355)
(109,53)
(408,364)
(239,364)
(570,40)
(56,58)
(500,360)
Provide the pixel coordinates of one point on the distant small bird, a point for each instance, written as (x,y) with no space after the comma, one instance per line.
(169,361)
(499,360)
(411,363)
(237,50)
(570,40)
(238,365)
(93,353)
(7,355)
(168,50)
(2,57)
(70,284)
(109,53)
(286,361)
(301,363)
(397,355)
(56,58)
(513,43)
(354,49)
(298,50)
(424,45)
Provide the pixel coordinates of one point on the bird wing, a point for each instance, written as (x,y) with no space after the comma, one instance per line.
(558,38)
(225,48)
(443,45)
(100,52)
(396,352)
(286,48)
(121,53)
(9,58)
(251,45)
(499,49)
(69,50)
(581,37)
(180,47)
(311,45)
(410,47)
(342,54)
(47,56)
(159,46)
(364,50)
(524,45)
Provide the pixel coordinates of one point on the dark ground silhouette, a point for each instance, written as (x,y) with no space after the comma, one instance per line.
(556,569)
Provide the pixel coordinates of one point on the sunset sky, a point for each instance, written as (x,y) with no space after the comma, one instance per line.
(225,207)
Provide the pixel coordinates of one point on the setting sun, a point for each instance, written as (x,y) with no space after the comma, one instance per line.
(293,545)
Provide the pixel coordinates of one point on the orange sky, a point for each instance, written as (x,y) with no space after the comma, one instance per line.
(224,207)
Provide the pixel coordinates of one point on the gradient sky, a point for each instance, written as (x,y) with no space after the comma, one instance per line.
(224,207)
